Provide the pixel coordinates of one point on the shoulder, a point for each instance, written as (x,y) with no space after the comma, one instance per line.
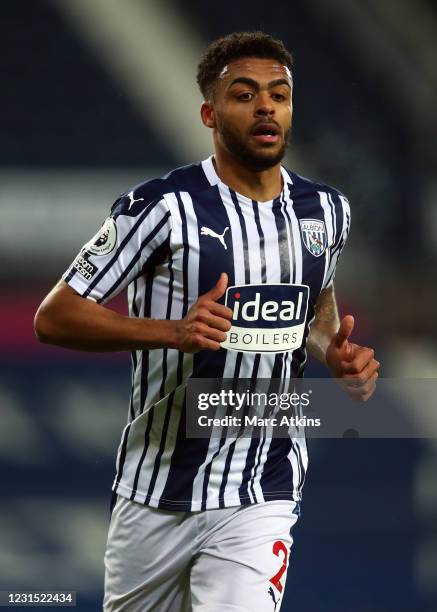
(301,185)
(149,193)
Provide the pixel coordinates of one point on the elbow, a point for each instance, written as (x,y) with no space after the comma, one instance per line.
(42,327)
(50,321)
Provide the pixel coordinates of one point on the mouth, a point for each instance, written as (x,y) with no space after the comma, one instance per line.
(267,132)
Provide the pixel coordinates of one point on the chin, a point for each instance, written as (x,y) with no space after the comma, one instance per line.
(254,158)
(263,160)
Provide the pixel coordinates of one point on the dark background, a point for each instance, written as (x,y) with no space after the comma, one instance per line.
(99,95)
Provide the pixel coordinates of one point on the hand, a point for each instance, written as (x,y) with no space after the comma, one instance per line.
(353,364)
(206,323)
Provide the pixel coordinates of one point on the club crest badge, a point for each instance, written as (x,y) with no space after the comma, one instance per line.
(314,236)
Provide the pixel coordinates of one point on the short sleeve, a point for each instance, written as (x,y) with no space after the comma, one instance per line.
(129,238)
(341,225)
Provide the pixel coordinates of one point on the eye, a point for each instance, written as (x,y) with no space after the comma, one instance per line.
(278,97)
(245,96)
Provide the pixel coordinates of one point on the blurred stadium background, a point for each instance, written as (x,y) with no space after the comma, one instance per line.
(98,95)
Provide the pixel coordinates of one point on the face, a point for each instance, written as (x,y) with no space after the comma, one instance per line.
(251,111)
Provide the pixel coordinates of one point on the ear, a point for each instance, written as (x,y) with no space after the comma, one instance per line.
(207,114)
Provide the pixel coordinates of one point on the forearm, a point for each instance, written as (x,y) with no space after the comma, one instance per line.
(329,342)
(66,319)
(319,339)
(325,324)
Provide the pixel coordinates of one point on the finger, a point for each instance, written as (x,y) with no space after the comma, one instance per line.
(362,356)
(355,385)
(363,375)
(201,329)
(363,390)
(215,322)
(215,334)
(344,331)
(362,395)
(370,392)
(200,343)
(220,311)
(219,288)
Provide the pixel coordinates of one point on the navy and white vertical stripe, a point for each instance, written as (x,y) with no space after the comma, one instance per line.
(160,252)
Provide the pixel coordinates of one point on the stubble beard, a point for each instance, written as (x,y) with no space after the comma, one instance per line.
(249,158)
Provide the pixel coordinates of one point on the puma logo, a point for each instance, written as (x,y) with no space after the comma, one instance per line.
(132,200)
(206,231)
(271,593)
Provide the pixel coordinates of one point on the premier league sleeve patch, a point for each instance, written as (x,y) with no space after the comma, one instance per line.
(266,318)
(314,236)
(105,239)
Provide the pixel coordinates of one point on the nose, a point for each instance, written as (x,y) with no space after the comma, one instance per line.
(264,105)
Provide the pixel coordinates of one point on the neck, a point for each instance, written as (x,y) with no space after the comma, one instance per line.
(262,186)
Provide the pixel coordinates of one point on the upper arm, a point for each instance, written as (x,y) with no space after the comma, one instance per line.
(121,248)
(60,299)
(60,293)
(338,211)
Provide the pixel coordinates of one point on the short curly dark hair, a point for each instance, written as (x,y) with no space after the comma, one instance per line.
(234,46)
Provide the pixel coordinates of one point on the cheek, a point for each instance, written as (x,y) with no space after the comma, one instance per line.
(286,117)
(235,119)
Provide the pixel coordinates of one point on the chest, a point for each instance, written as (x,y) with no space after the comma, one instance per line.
(256,243)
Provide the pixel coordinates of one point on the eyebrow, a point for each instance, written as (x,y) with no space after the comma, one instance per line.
(255,85)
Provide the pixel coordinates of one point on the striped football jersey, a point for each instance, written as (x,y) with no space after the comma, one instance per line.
(167,240)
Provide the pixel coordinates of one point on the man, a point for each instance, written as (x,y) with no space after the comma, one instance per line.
(204,524)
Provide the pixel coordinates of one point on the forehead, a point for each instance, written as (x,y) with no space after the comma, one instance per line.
(254,68)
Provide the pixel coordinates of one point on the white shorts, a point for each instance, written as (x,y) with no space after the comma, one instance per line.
(231,559)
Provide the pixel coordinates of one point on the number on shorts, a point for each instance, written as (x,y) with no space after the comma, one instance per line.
(279,547)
